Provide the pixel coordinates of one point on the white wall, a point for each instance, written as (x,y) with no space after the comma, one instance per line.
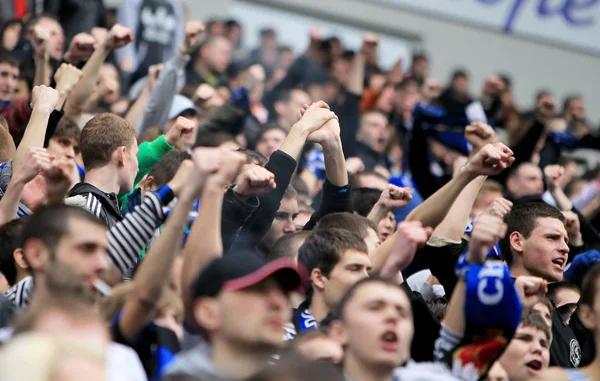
(532,65)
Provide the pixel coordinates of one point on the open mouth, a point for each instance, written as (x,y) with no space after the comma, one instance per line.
(534,366)
(390,341)
(559,262)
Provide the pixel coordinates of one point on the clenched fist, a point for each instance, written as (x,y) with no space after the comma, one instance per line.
(553,175)
(254,181)
(182,128)
(411,235)
(44,98)
(490,160)
(487,230)
(66,78)
(81,48)
(479,134)
(117,37)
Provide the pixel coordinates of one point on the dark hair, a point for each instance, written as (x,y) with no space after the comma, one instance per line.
(290,192)
(346,221)
(356,177)
(67,128)
(270,127)
(364,199)
(213,139)
(588,286)
(438,308)
(300,186)
(532,318)
(568,99)
(11,238)
(459,73)
(50,223)
(523,219)
(101,136)
(294,367)
(287,245)
(8,58)
(166,168)
(341,306)
(402,85)
(324,248)
(253,157)
(285,95)
(420,56)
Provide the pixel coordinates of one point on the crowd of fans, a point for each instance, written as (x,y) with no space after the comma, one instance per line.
(176,206)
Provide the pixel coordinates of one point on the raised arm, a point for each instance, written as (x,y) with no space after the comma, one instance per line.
(453,225)
(136,111)
(491,159)
(35,161)
(156,112)
(204,242)
(154,271)
(43,101)
(553,176)
(118,37)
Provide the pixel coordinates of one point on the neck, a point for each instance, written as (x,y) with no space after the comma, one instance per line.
(359,371)
(238,362)
(318,307)
(517,271)
(202,68)
(104,179)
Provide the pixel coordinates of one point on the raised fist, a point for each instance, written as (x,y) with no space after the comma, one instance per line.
(499,207)
(553,175)
(81,48)
(40,35)
(531,289)
(59,179)
(479,134)
(193,31)
(117,37)
(66,78)
(490,160)
(254,181)
(153,72)
(487,230)
(36,160)
(410,235)
(44,98)
(180,129)
(394,197)
(354,165)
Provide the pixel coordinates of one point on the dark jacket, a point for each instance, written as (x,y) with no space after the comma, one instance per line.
(103,205)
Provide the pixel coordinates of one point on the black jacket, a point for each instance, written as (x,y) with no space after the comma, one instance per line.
(565,351)
(103,205)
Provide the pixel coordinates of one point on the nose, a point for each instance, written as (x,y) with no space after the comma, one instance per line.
(277,299)
(564,248)
(290,226)
(101,262)
(70,153)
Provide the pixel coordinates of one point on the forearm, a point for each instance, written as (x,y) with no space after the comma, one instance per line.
(85,87)
(357,74)
(589,193)
(562,201)
(435,208)
(590,211)
(42,71)
(150,153)
(136,112)
(431,213)
(204,243)
(9,203)
(294,142)
(156,111)
(377,213)
(335,164)
(453,225)
(455,314)
(33,136)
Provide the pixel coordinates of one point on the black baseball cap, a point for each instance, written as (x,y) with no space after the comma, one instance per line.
(237,271)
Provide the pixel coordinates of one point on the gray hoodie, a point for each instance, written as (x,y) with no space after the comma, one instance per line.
(195,362)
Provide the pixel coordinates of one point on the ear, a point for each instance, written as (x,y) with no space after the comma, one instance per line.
(208,313)
(36,254)
(148,183)
(317,279)
(19,257)
(120,152)
(510,184)
(517,242)
(587,317)
(337,332)
(279,107)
